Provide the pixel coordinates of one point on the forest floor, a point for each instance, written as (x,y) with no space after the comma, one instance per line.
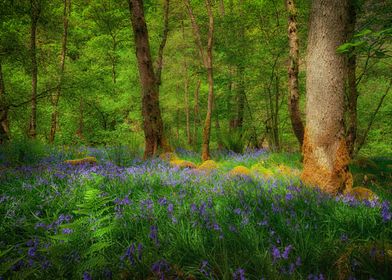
(242,216)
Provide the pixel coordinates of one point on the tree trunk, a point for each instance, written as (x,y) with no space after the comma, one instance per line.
(4,123)
(152,120)
(207,62)
(294,110)
(186,91)
(80,130)
(325,151)
(159,61)
(56,95)
(205,153)
(241,95)
(352,97)
(196,117)
(35,12)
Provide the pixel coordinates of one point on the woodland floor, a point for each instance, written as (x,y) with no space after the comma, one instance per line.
(242,216)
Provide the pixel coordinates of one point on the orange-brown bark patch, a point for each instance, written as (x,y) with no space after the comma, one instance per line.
(334,181)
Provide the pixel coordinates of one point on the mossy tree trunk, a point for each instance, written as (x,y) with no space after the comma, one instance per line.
(325,151)
(155,140)
(293,84)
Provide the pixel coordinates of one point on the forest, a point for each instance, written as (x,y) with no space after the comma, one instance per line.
(195,139)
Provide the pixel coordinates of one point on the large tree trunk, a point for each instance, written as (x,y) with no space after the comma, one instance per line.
(325,151)
(294,109)
(352,96)
(4,123)
(56,95)
(35,12)
(152,120)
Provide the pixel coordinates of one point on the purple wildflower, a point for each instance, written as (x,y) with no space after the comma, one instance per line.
(204,268)
(385,212)
(139,251)
(87,276)
(298,262)
(170,208)
(193,208)
(67,231)
(154,234)
(239,274)
(275,253)
(286,252)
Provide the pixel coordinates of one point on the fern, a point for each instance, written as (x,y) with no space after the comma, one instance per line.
(91,230)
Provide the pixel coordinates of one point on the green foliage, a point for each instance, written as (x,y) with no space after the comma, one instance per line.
(22,151)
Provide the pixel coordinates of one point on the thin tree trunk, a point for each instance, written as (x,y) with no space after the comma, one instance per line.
(207,61)
(152,120)
(159,62)
(275,124)
(362,140)
(325,151)
(217,128)
(196,117)
(56,96)
(113,59)
(205,154)
(4,122)
(35,12)
(294,109)
(80,130)
(186,91)
(352,98)
(222,7)
(241,95)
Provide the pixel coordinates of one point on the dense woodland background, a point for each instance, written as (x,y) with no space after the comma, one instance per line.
(97,88)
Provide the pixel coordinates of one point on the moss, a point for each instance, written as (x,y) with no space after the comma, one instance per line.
(90,160)
(182,164)
(169,156)
(362,193)
(240,171)
(208,165)
(261,170)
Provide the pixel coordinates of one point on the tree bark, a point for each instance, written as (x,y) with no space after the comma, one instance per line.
(207,61)
(293,84)
(196,117)
(80,130)
(325,151)
(4,122)
(35,13)
(159,62)
(352,97)
(205,154)
(155,140)
(241,95)
(186,92)
(56,96)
